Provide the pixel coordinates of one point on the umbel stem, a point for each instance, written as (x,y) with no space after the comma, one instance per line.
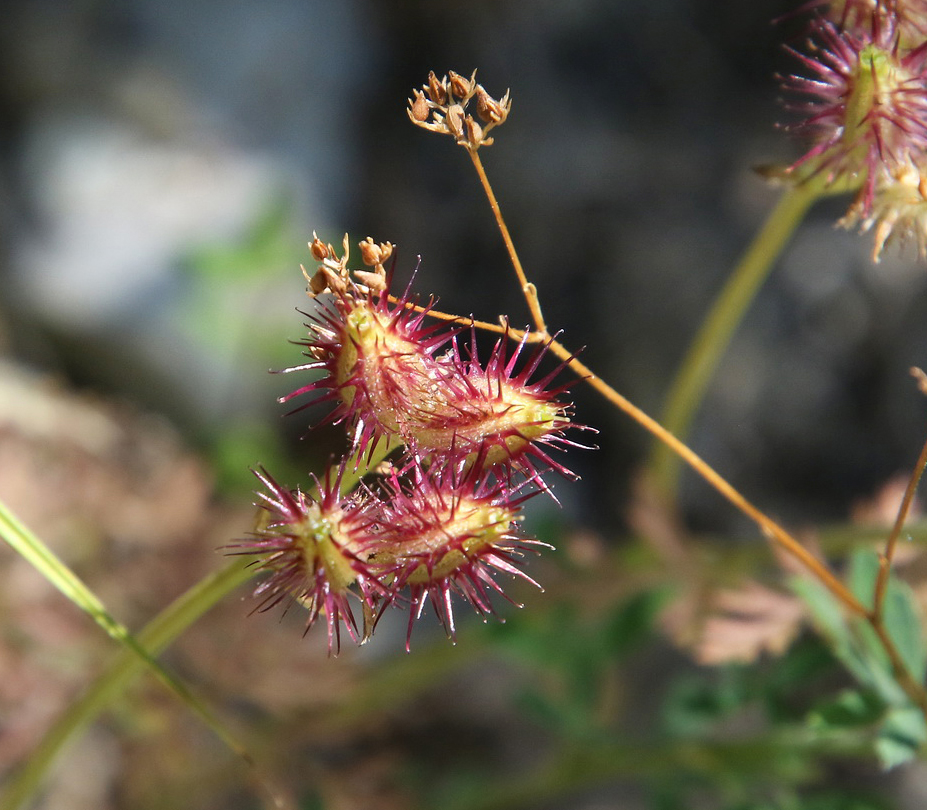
(789,211)
(528,289)
(713,340)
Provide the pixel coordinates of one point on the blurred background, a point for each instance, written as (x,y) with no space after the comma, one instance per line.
(162,166)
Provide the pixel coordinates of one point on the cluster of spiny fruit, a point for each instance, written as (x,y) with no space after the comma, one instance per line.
(443,518)
(864,106)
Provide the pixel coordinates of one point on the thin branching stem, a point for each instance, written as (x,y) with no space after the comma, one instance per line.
(528,289)
(914,690)
(447,316)
(768,526)
(530,336)
(886,557)
(903,677)
(788,214)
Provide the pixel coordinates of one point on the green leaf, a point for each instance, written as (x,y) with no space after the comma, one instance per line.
(864,570)
(900,614)
(905,625)
(901,737)
(631,623)
(851,708)
(851,639)
(881,676)
(829,618)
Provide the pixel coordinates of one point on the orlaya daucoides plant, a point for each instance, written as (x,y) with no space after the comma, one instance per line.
(471,438)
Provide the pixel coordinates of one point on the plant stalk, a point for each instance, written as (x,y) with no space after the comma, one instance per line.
(886,557)
(528,289)
(727,314)
(705,352)
(767,525)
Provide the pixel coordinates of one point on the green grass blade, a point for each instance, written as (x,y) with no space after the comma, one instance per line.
(154,637)
(52,568)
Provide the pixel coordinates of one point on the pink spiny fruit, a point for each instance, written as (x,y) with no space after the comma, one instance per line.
(908,16)
(383,367)
(495,417)
(310,547)
(378,361)
(446,531)
(866,105)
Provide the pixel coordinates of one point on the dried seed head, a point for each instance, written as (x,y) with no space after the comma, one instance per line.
(373,254)
(373,281)
(437,90)
(332,274)
(318,283)
(446,112)
(454,120)
(418,107)
(474,133)
(488,109)
(318,249)
(459,86)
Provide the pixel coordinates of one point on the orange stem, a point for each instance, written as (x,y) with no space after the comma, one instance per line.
(769,527)
(528,289)
(885,559)
(772,530)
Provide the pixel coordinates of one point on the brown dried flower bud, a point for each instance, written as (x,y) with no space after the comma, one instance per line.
(454,120)
(373,254)
(374,281)
(460,86)
(437,91)
(418,106)
(921,379)
(474,132)
(319,282)
(318,249)
(487,108)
